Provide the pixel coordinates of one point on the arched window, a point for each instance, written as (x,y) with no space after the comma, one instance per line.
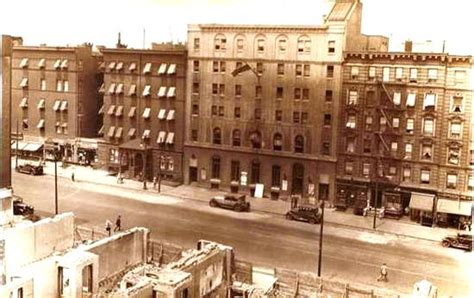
(216,167)
(277,142)
(281,44)
(236,137)
(220,42)
(239,43)
(256,139)
(260,44)
(299,144)
(304,45)
(216,136)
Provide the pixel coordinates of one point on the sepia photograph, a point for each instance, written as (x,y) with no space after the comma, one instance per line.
(236,148)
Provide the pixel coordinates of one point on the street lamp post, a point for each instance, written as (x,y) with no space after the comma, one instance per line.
(374,226)
(320,255)
(144,165)
(56,153)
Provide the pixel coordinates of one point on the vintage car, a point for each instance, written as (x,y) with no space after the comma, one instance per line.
(30,169)
(234,202)
(370,210)
(308,213)
(463,241)
(21,208)
(393,206)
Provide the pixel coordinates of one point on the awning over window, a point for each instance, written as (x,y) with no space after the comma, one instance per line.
(112,88)
(40,124)
(42,63)
(57,103)
(119,111)
(454,207)
(421,201)
(111,110)
(102,88)
(118,132)
(170,115)
(20,145)
(24,83)
(57,64)
(101,110)
(119,89)
(64,64)
(146,134)
(170,138)
(32,147)
(24,63)
(132,66)
(101,131)
(162,91)
(41,103)
(119,66)
(111,132)
(161,114)
(172,69)
(162,68)
(131,132)
(24,102)
(131,113)
(161,137)
(171,92)
(146,113)
(147,68)
(64,105)
(146,90)
(133,90)
(411,98)
(112,65)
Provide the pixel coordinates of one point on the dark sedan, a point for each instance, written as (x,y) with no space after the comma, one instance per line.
(308,213)
(233,202)
(463,241)
(30,169)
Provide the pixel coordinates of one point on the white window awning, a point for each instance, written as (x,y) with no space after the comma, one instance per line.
(146,90)
(172,69)
(119,89)
(459,207)
(146,113)
(421,201)
(411,98)
(162,91)
(397,98)
(171,92)
(111,110)
(147,68)
(132,66)
(161,137)
(132,111)
(24,63)
(101,131)
(133,90)
(170,138)
(119,65)
(64,105)
(32,147)
(40,124)
(24,83)
(162,114)
(112,65)
(24,102)
(41,103)
(112,88)
(118,132)
(119,111)
(171,115)
(42,63)
(56,105)
(64,64)
(111,132)
(430,99)
(57,64)
(131,132)
(146,134)
(162,69)
(101,110)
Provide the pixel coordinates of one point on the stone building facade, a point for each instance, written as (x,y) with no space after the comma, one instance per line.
(405,129)
(262,103)
(143,110)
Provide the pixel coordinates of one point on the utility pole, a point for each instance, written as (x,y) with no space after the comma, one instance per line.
(320,256)
(375,201)
(144,165)
(56,153)
(17,139)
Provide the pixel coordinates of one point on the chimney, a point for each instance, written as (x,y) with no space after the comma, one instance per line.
(408,46)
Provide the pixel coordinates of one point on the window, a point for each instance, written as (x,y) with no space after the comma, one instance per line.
(255,172)
(392,170)
(171,69)
(216,136)
(304,117)
(57,64)
(354,72)
(238,90)
(383,122)
(470,183)
(196,43)
(24,63)
(456,104)
(195,88)
(258,113)
(352,97)
(258,91)
(64,105)
(386,74)
(398,73)
(411,99)
(282,45)
(297,94)
(194,135)
(397,98)
(396,122)
(279,93)
(162,114)
(331,46)
(235,170)
(350,145)
(278,115)
(455,130)
(408,150)
(42,63)
(64,64)
(306,70)
(305,94)
(426,152)
(326,148)
(236,137)
(330,71)
(216,167)
(221,111)
(368,122)
(394,147)
(240,44)
(162,69)
(132,67)
(299,144)
(259,68)
(133,90)
(256,139)
(41,104)
(276,172)
(25,124)
(57,103)
(195,109)
(348,167)
(366,169)
(453,156)
(413,75)
(119,89)
(430,101)
(367,145)
(147,68)
(119,66)
(215,89)
(237,112)
(220,43)
(171,92)
(146,113)
(406,174)
(260,45)
(425,177)
(432,75)
(24,102)
(370,98)
(59,87)
(328,96)
(372,72)
(351,121)
(277,142)
(280,69)
(42,84)
(147,90)
(451,181)
(196,65)
(410,125)
(132,112)
(327,120)
(304,45)
(214,110)
(428,127)
(459,77)
(215,66)
(296,117)
(299,70)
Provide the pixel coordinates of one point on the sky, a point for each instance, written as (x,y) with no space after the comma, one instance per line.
(67,22)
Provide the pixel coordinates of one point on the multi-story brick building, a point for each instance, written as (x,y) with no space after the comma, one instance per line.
(53,98)
(276,123)
(143,111)
(405,131)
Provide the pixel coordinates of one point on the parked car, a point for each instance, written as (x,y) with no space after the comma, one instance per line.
(233,202)
(463,241)
(21,208)
(393,205)
(308,213)
(30,169)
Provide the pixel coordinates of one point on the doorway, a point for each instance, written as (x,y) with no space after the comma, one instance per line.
(193,174)
(298,178)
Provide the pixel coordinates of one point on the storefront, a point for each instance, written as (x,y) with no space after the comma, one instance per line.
(27,150)
(86,151)
(453,213)
(421,208)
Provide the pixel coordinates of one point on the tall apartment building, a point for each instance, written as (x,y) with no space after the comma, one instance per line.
(262,103)
(53,99)
(405,129)
(143,124)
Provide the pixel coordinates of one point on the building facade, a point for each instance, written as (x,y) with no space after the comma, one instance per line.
(143,110)
(53,99)
(405,129)
(262,103)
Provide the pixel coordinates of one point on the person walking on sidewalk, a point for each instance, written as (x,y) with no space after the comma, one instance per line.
(155,182)
(72,174)
(108,226)
(118,224)
(383,273)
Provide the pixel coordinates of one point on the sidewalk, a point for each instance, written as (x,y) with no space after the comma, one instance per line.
(277,207)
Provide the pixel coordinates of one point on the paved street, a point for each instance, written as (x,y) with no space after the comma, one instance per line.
(263,238)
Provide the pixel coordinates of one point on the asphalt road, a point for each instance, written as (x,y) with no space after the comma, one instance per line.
(261,238)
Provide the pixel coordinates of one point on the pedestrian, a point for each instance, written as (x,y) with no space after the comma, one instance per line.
(108,226)
(155,182)
(383,273)
(118,224)
(72,174)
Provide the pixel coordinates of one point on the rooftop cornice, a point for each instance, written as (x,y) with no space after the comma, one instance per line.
(45,49)
(442,57)
(259,28)
(181,50)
